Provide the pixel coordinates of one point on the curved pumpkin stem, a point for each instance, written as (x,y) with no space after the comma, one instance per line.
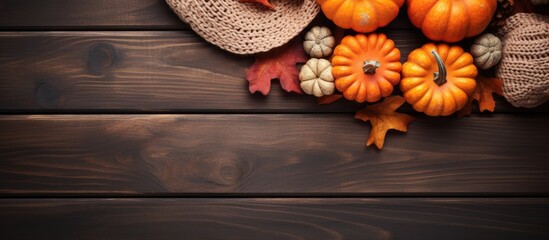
(369,67)
(440,76)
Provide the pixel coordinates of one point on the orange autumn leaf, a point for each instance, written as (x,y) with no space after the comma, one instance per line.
(483,95)
(279,63)
(262,2)
(383,116)
(328,99)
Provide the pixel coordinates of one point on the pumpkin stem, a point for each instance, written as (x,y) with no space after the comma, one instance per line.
(370,66)
(440,76)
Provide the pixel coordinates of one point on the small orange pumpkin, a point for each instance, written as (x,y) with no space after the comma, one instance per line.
(362,16)
(451,20)
(366,68)
(438,79)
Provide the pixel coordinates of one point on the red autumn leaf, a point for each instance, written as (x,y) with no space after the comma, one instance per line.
(383,116)
(263,2)
(483,95)
(278,63)
(328,99)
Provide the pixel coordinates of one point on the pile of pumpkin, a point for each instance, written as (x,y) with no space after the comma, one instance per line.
(437,79)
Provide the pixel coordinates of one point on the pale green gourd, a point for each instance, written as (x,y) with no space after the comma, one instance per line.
(486,51)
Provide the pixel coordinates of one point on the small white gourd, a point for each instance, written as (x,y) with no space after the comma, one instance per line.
(539,2)
(319,42)
(486,51)
(316,77)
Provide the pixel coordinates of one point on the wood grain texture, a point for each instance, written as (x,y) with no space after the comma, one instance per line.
(297,154)
(84,14)
(71,61)
(146,71)
(106,14)
(276,219)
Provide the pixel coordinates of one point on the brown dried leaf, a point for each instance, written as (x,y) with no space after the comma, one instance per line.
(383,116)
(483,95)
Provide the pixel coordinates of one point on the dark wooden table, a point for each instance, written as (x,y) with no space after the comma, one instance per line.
(118,122)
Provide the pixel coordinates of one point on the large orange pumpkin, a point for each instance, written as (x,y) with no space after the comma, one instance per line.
(362,15)
(366,68)
(438,79)
(451,20)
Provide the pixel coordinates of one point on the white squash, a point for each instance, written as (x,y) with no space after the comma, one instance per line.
(319,42)
(316,77)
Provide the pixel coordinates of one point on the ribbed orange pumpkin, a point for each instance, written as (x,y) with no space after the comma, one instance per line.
(362,16)
(451,20)
(438,79)
(366,68)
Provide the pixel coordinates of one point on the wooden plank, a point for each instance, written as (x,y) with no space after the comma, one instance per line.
(131,70)
(146,71)
(288,154)
(103,14)
(83,14)
(120,14)
(280,218)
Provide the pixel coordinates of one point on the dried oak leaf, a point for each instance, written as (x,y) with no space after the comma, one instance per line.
(483,95)
(328,99)
(278,63)
(383,116)
(265,3)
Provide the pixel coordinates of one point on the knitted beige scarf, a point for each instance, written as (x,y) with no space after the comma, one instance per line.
(246,28)
(524,67)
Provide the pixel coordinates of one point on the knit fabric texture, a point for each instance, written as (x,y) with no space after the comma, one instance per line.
(524,67)
(246,28)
